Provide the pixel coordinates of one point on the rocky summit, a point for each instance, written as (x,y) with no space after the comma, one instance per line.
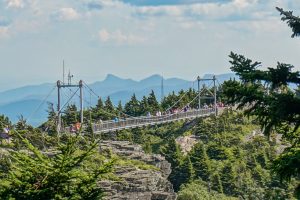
(134,183)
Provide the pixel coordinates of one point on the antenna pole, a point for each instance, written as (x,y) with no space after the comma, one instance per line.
(81,101)
(162,89)
(199,100)
(215,95)
(58,107)
(63,72)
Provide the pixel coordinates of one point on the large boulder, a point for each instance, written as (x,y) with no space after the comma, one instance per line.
(135,183)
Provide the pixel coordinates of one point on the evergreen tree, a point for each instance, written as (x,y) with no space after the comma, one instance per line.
(144,106)
(200,161)
(153,103)
(174,156)
(21,124)
(67,175)
(50,125)
(71,115)
(108,105)
(100,104)
(267,95)
(186,171)
(216,183)
(4,122)
(120,109)
(169,101)
(132,107)
(51,112)
(228,177)
(172,153)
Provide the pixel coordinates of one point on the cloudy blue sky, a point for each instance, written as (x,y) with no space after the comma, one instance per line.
(137,38)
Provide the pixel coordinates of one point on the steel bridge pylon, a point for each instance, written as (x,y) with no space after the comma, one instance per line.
(61,85)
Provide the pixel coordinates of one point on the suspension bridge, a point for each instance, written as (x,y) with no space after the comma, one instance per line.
(128,122)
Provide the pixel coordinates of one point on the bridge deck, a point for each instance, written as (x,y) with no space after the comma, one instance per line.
(108,126)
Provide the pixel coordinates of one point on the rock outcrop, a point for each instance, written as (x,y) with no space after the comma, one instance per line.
(135,183)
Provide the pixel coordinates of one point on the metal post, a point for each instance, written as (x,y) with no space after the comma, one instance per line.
(215,95)
(199,102)
(81,101)
(58,107)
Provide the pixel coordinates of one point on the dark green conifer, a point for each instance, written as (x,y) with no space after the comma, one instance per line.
(200,161)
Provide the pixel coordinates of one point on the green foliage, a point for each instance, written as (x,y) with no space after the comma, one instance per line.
(200,161)
(153,103)
(266,94)
(132,107)
(198,190)
(71,115)
(108,105)
(67,174)
(172,152)
(287,164)
(292,21)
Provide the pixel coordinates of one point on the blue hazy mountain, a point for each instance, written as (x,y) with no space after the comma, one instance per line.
(26,100)
(26,92)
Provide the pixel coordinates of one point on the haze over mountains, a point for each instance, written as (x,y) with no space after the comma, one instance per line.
(28,100)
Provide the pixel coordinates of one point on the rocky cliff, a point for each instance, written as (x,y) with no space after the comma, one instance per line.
(136,183)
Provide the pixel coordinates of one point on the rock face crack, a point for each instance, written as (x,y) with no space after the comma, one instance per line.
(138,184)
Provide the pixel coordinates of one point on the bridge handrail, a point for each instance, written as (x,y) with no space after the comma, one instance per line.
(111,125)
(144,120)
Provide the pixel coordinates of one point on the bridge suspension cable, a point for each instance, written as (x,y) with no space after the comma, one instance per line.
(41,104)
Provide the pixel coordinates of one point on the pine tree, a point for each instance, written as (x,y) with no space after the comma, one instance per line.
(120,109)
(216,183)
(144,106)
(68,174)
(71,115)
(51,112)
(50,125)
(169,101)
(200,161)
(267,95)
(4,122)
(100,104)
(172,153)
(132,107)
(174,156)
(228,178)
(21,124)
(153,103)
(186,171)
(108,105)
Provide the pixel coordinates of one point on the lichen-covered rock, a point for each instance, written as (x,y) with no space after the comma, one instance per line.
(137,183)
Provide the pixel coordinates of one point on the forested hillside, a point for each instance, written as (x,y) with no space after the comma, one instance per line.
(232,158)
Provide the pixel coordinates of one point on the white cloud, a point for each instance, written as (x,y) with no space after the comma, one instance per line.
(14,3)
(66,14)
(104,35)
(4,32)
(119,37)
(233,10)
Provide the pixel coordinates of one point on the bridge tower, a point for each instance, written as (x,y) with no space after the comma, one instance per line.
(214,95)
(61,85)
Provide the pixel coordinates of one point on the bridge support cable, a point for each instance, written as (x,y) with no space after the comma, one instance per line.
(41,104)
(107,126)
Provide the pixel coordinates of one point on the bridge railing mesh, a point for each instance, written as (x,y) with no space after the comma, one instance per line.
(151,120)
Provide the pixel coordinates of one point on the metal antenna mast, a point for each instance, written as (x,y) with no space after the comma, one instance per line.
(162,89)
(63,72)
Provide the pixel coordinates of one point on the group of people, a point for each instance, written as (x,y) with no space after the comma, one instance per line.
(75,127)
(171,111)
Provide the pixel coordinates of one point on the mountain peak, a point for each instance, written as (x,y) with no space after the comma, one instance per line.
(111,77)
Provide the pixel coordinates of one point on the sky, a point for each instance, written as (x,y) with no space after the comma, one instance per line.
(138,38)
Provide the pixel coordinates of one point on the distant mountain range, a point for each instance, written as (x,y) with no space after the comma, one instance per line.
(28,100)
